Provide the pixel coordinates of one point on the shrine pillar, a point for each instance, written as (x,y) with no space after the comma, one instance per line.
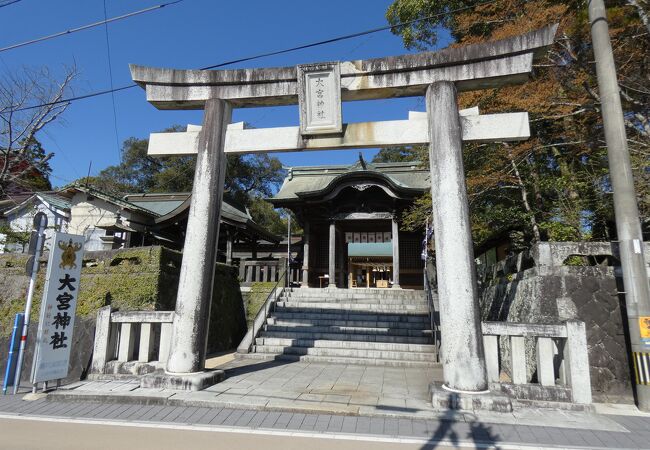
(305,256)
(462,351)
(395,241)
(332,256)
(190,325)
(229,244)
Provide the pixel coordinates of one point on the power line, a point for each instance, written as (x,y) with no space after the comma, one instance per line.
(262,55)
(85,27)
(110,75)
(8,2)
(348,36)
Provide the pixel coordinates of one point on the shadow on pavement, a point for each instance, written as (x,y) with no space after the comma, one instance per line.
(480,434)
(248,367)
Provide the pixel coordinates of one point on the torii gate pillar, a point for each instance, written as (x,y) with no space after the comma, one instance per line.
(462,351)
(190,326)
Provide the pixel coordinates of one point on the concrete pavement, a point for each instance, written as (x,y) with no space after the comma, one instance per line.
(36,433)
(451,429)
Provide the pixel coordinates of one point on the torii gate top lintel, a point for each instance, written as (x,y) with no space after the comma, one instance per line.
(478,66)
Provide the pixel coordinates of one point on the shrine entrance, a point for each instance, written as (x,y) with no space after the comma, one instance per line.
(319,89)
(350,214)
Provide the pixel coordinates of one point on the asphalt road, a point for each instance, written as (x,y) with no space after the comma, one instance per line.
(47,434)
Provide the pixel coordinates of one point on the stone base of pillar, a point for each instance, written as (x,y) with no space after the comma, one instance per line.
(445,400)
(183,382)
(396,286)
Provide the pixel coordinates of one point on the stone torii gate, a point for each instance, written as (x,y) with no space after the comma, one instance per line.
(319,90)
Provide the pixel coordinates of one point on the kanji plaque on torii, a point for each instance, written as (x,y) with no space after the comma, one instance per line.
(319,98)
(437,75)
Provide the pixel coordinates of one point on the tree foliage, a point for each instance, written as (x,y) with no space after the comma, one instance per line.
(555,185)
(29,101)
(400,154)
(249,178)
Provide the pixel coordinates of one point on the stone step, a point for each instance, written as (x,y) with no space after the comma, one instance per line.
(341,360)
(356,298)
(344,323)
(300,313)
(354,293)
(349,330)
(345,307)
(349,335)
(372,301)
(345,345)
(347,353)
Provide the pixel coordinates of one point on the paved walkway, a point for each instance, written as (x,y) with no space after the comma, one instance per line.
(348,400)
(294,386)
(326,387)
(451,429)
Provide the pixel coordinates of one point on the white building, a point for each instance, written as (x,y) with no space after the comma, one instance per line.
(20,218)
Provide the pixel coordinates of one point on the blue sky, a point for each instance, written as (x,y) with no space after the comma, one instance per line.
(191,34)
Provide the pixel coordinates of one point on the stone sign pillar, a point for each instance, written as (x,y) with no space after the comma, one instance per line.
(190,326)
(462,351)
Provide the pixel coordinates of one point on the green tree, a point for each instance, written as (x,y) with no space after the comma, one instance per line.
(400,154)
(555,185)
(249,178)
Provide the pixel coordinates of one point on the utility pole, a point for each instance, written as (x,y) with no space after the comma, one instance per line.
(628,224)
(35,249)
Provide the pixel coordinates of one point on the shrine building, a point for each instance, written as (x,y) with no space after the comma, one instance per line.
(350,218)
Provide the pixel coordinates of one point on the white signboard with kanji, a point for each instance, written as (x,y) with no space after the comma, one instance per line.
(54,340)
(319,98)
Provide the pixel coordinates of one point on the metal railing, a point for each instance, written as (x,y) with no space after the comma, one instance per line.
(429,292)
(246,344)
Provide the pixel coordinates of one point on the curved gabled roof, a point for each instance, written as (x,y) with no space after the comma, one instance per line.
(230,213)
(405,179)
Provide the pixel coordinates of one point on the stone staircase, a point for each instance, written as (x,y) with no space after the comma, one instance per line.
(349,326)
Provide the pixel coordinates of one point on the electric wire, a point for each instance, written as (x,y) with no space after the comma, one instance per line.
(85,27)
(263,55)
(110,75)
(8,2)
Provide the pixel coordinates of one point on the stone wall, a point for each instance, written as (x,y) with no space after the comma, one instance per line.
(560,281)
(80,356)
(227,314)
(128,279)
(254,299)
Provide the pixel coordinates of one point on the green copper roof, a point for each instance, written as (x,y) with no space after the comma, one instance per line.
(50,198)
(110,198)
(304,180)
(164,203)
(160,203)
(56,201)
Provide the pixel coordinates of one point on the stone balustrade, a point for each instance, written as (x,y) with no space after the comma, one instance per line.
(266,271)
(254,271)
(546,256)
(131,342)
(560,355)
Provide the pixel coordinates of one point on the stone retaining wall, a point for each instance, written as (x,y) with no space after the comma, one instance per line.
(559,281)
(128,279)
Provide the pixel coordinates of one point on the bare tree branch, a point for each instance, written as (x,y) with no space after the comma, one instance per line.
(18,129)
